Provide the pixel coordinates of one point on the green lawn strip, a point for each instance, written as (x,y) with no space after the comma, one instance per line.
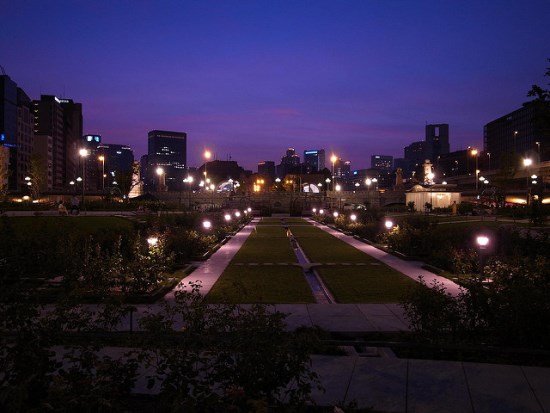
(266,244)
(282,221)
(369,284)
(261,284)
(87,225)
(320,246)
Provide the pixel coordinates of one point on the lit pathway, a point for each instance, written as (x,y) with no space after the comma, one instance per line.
(210,270)
(412,269)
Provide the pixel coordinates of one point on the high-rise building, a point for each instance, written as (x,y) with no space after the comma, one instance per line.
(16,132)
(290,163)
(61,120)
(113,160)
(522,133)
(381,162)
(167,150)
(267,169)
(437,140)
(314,160)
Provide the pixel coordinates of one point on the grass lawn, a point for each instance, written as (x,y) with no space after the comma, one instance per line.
(266,244)
(320,246)
(281,221)
(85,225)
(368,284)
(261,284)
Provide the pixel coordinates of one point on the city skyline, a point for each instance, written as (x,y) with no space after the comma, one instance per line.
(249,79)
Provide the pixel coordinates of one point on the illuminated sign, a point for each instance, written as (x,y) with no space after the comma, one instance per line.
(311,152)
(93,138)
(2,137)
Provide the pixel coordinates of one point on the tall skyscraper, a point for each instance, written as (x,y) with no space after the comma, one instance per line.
(267,169)
(60,120)
(524,132)
(437,140)
(290,163)
(314,160)
(16,132)
(167,150)
(381,162)
(114,159)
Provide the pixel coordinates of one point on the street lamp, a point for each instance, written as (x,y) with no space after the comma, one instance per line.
(474,152)
(102,159)
(333,159)
(189,181)
(388,224)
(83,154)
(206,224)
(353,217)
(527,162)
(207,155)
(162,178)
(338,189)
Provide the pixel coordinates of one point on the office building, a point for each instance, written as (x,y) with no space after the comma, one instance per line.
(437,141)
(381,162)
(60,120)
(290,163)
(314,160)
(113,161)
(267,169)
(16,133)
(166,150)
(522,133)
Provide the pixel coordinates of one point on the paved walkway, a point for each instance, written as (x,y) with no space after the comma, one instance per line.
(411,269)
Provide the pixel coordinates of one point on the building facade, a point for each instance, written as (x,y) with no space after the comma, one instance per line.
(314,160)
(523,133)
(16,133)
(166,150)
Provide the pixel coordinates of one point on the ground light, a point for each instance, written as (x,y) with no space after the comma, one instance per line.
(237,214)
(152,241)
(482,242)
(353,217)
(314,210)
(206,224)
(227,217)
(321,211)
(335,214)
(388,224)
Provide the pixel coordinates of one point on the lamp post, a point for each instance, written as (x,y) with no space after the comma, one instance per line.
(83,154)
(527,162)
(338,189)
(333,159)
(161,175)
(102,159)
(189,181)
(474,152)
(207,155)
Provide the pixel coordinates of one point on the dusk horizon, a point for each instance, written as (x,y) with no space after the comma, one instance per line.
(247,80)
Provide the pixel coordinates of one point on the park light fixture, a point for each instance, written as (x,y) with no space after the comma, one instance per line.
(353,217)
(238,214)
(335,214)
(206,224)
(314,210)
(527,162)
(321,211)
(227,217)
(388,224)
(482,241)
(152,241)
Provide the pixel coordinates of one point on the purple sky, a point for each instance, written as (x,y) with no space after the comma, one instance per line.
(248,79)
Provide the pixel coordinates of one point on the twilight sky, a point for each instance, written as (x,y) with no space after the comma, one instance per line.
(248,79)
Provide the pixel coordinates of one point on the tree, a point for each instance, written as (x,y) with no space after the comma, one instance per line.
(38,175)
(125,180)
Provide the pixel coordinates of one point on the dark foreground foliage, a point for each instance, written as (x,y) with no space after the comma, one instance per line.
(192,356)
